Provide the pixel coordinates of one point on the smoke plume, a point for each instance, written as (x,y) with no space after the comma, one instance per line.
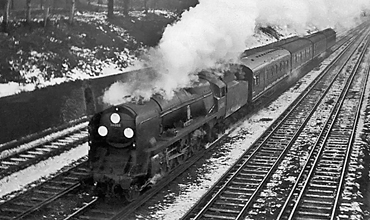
(217,31)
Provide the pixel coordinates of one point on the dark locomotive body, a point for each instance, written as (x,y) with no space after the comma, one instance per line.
(132,145)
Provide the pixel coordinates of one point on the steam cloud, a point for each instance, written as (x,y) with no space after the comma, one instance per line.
(217,31)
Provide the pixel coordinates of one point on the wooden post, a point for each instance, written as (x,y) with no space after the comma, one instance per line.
(126,4)
(73,6)
(28,12)
(110,8)
(46,12)
(6,16)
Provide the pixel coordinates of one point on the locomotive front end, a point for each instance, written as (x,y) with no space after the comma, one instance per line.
(112,148)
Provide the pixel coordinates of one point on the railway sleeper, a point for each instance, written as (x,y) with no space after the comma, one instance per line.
(267,165)
(53,146)
(28,156)
(71,178)
(81,173)
(264,156)
(318,191)
(228,203)
(333,149)
(260,173)
(23,203)
(331,159)
(268,151)
(261,160)
(251,180)
(217,216)
(243,200)
(313,215)
(257,167)
(322,181)
(319,196)
(103,212)
(323,186)
(54,187)
(329,169)
(62,182)
(248,187)
(12,209)
(225,211)
(35,152)
(18,159)
(315,206)
(238,192)
(323,172)
(45,192)
(4,167)
(252,177)
(321,202)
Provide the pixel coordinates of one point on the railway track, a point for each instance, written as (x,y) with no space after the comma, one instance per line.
(38,197)
(317,191)
(238,193)
(43,149)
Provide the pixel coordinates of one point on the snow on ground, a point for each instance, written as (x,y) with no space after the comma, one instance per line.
(43,140)
(176,204)
(34,175)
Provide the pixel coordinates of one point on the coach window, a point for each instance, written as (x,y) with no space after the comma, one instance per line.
(272,71)
(223,92)
(257,79)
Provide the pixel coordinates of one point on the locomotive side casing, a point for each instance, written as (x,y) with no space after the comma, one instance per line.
(237,83)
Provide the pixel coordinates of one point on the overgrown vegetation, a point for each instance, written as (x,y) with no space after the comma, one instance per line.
(36,49)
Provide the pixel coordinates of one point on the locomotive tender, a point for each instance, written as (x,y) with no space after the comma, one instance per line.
(133,145)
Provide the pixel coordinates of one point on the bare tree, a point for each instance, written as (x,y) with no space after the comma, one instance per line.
(126,5)
(6,16)
(46,11)
(146,6)
(73,7)
(54,5)
(28,11)
(110,8)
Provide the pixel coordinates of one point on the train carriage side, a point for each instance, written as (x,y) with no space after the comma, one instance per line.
(319,43)
(301,52)
(267,68)
(330,37)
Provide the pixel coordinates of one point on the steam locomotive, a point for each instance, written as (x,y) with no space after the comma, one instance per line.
(133,145)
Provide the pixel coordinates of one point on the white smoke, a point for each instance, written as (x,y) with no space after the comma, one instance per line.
(216,32)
